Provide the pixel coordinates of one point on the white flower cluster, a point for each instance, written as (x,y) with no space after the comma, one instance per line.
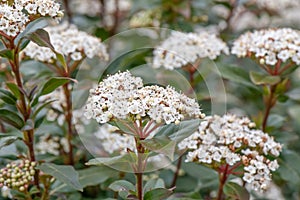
(275,5)
(51,144)
(269,46)
(122,96)
(15,15)
(69,41)
(113,142)
(231,140)
(85,8)
(181,49)
(17,175)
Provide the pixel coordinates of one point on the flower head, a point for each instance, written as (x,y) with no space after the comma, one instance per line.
(113,142)
(269,46)
(232,140)
(16,15)
(51,144)
(181,49)
(273,5)
(69,41)
(110,7)
(122,96)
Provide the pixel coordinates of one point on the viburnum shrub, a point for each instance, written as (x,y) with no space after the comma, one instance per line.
(95,104)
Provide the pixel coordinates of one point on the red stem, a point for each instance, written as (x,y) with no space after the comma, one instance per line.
(269,105)
(139,169)
(223,175)
(178,166)
(69,116)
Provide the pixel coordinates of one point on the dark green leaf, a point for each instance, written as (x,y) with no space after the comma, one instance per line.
(29,125)
(8,141)
(124,188)
(234,191)
(153,184)
(7,97)
(282,98)
(38,109)
(11,118)
(158,194)
(121,185)
(6,53)
(41,38)
(63,173)
(24,44)
(290,167)
(127,61)
(14,89)
(179,132)
(236,74)
(52,84)
(90,176)
(262,79)
(61,59)
(161,145)
(121,162)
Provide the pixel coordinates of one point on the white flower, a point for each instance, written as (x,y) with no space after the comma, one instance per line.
(113,142)
(215,143)
(69,41)
(85,8)
(19,13)
(51,144)
(275,5)
(122,96)
(270,45)
(181,49)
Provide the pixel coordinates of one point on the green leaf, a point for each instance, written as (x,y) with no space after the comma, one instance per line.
(124,188)
(235,191)
(120,162)
(14,89)
(11,118)
(24,44)
(121,185)
(127,61)
(262,79)
(153,184)
(52,84)
(60,57)
(236,74)
(6,53)
(90,176)
(179,132)
(63,173)
(289,169)
(7,97)
(158,194)
(8,141)
(41,38)
(38,109)
(29,125)
(161,145)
